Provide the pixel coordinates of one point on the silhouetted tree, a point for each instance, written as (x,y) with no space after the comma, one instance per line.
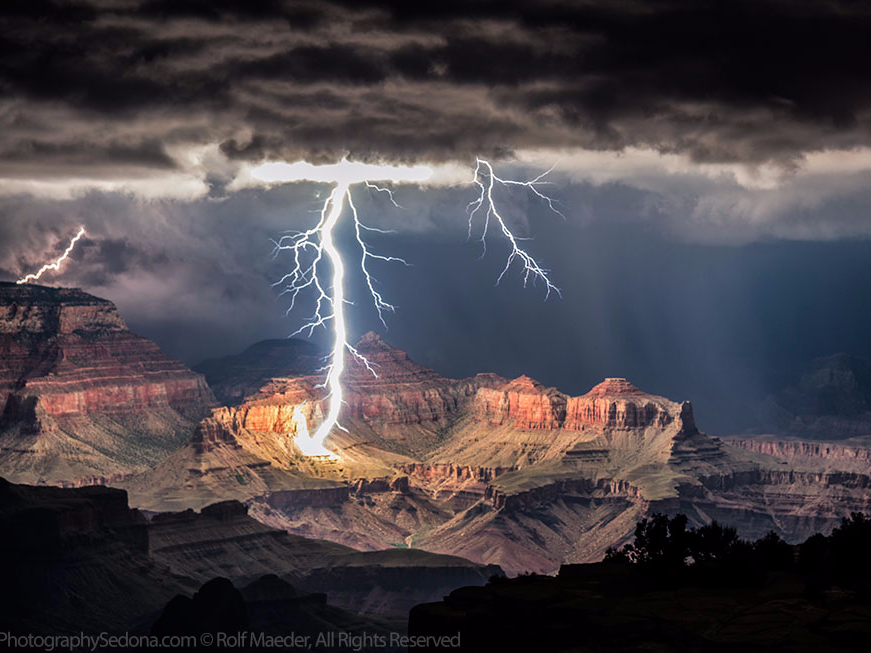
(841,558)
(713,543)
(849,547)
(665,550)
(771,552)
(712,553)
(659,541)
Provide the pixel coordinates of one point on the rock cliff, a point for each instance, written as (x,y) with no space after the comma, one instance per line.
(500,471)
(614,403)
(82,396)
(74,560)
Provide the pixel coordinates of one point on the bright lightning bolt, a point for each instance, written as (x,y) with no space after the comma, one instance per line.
(57,263)
(312,248)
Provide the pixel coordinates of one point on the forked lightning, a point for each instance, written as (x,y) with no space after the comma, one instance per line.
(311,249)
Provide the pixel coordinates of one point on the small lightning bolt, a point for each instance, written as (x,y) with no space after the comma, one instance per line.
(312,248)
(56,264)
(485,179)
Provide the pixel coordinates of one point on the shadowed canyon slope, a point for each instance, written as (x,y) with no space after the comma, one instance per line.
(233,378)
(830,400)
(79,559)
(82,396)
(753,603)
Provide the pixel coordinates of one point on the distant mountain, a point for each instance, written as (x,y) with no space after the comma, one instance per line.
(83,397)
(830,401)
(232,378)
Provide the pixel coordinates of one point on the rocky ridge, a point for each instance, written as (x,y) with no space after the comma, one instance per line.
(500,471)
(80,559)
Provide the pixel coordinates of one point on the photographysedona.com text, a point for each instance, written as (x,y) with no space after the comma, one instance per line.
(336,640)
(94,641)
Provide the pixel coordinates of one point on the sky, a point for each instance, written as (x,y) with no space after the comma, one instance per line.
(711,163)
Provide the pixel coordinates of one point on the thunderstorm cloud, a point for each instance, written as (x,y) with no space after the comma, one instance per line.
(121,90)
(741,130)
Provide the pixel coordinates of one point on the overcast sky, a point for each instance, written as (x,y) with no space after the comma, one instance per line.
(712,164)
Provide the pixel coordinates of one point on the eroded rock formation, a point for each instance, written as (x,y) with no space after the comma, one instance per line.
(80,560)
(82,396)
(499,471)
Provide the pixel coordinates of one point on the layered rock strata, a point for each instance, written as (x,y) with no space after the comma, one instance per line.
(82,396)
(500,471)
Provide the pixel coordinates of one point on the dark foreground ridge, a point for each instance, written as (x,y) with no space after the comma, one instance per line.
(676,589)
(79,560)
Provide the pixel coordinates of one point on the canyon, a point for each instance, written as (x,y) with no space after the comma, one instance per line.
(502,472)
(498,471)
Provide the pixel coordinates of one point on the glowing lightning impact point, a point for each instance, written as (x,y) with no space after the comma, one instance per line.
(304,441)
(56,264)
(311,248)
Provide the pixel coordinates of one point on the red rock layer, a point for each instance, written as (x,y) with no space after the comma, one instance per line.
(213,432)
(544,494)
(400,392)
(524,403)
(73,353)
(271,410)
(84,399)
(442,471)
(614,403)
(803,449)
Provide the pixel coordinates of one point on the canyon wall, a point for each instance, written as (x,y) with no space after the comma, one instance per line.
(81,394)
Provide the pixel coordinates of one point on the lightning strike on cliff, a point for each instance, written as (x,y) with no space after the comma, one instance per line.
(315,247)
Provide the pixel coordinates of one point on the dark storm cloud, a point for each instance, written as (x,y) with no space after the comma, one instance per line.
(147,152)
(738,81)
(197,275)
(680,123)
